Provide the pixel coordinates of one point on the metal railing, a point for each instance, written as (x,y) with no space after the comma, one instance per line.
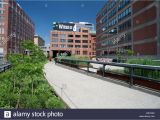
(4,67)
(131,68)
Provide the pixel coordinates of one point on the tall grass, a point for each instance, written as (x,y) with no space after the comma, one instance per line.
(142,72)
(74,57)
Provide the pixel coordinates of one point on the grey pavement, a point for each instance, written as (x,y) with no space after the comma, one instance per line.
(81,91)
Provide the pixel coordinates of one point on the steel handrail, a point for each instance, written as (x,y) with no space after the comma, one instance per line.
(131,68)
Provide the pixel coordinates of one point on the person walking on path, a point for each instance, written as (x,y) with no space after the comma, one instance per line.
(50,59)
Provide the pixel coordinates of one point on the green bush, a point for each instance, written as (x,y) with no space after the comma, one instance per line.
(24,85)
(145,73)
(54,102)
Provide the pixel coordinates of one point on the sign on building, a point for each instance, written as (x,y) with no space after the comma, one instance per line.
(64,26)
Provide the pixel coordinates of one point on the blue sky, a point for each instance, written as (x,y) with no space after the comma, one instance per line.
(44,12)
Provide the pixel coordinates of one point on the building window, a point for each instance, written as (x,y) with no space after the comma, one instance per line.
(55,45)
(62,40)
(55,35)
(77,36)
(77,52)
(85,46)
(70,46)
(70,41)
(1,30)
(125,38)
(112,22)
(85,52)
(62,46)
(70,35)
(112,13)
(123,3)
(77,46)
(85,41)
(85,31)
(124,14)
(62,36)
(1,18)
(124,26)
(54,40)
(2,11)
(77,41)
(85,36)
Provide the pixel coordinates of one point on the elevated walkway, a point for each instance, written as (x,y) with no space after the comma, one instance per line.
(82,91)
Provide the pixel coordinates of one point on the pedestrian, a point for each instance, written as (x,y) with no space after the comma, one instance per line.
(55,60)
(50,59)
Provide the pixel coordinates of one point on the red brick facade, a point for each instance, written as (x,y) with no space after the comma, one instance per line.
(141,4)
(145,16)
(146,48)
(17,26)
(145,33)
(84,45)
(135,24)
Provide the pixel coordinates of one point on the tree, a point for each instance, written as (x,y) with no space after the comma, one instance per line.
(24,84)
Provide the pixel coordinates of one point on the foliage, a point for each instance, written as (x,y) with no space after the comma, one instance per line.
(145,73)
(75,57)
(24,85)
(129,52)
(54,102)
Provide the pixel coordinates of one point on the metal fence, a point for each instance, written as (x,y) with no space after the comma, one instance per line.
(4,67)
(130,67)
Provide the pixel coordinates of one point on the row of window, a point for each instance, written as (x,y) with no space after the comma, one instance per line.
(69,46)
(20,14)
(121,39)
(108,7)
(124,14)
(121,16)
(64,35)
(123,3)
(1,30)
(125,25)
(69,40)
(2,11)
(84,53)
(125,38)
(112,13)
(110,23)
(122,50)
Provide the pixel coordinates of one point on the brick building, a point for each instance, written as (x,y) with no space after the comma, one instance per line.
(73,38)
(131,25)
(15,26)
(38,40)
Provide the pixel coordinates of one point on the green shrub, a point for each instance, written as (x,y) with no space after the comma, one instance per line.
(54,102)
(145,73)
(24,85)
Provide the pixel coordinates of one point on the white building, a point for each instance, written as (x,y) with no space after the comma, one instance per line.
(46,49)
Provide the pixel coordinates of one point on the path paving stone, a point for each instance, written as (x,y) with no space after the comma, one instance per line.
(81,91)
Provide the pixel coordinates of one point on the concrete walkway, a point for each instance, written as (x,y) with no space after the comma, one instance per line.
(81,91)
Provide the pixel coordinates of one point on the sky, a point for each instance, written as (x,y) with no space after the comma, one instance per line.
(44,12)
